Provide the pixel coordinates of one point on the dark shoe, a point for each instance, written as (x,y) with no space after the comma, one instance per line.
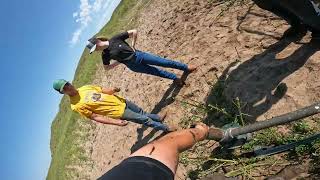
(179,82)
(316,35)
(315,41)
(296,31)
(192,69)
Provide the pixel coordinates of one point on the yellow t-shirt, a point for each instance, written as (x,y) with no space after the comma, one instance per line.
(92,100)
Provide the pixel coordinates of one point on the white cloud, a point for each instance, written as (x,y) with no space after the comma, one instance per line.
(85,11)
(83,17)
(97,5)
(106,4)
(75,14)
(106,13)
(76,37)
(88,10)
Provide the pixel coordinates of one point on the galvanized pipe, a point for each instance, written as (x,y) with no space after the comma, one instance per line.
(229,134)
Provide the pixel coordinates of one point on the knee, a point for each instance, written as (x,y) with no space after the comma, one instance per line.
(133,68)
(147,122)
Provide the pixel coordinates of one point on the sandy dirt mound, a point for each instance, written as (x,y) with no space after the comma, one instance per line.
(242,48)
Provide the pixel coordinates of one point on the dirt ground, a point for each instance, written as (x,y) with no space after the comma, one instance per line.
(243,48)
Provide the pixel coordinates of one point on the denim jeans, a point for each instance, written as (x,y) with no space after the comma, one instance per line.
(143,61)
(135,114)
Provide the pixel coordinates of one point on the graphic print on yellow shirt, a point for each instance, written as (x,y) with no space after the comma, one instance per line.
(92,100)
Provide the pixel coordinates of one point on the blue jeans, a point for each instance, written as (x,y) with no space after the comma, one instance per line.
(143,61)
(135,114)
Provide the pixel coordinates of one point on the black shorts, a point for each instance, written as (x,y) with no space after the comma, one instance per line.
(139,168)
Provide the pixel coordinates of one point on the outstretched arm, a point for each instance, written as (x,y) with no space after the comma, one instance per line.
(167,148)
(133,34)
(105,120)
(110,91)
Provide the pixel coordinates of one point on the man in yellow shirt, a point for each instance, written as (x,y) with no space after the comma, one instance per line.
(102,105)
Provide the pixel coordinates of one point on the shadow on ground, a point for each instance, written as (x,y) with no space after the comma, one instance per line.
(167,99)
(257,82)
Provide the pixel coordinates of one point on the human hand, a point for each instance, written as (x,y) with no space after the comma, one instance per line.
(122,123)
(116,89)
(203,127)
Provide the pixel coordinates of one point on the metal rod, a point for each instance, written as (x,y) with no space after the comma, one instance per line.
(285,147)
(221,135)
(283,119)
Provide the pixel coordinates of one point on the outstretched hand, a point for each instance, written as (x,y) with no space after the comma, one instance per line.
(122,123)
(116,89)
(204,128)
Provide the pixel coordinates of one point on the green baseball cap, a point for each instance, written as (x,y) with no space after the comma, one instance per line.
(59,84)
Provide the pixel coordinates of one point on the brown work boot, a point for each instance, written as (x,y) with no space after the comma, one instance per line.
(191,68)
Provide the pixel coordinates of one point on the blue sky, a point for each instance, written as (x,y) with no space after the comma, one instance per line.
(40,41)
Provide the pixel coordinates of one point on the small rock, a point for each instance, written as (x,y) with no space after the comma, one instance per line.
(213,69)
(149,32)
(221,35)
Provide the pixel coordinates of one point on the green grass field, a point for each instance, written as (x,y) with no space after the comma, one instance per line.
(69,130)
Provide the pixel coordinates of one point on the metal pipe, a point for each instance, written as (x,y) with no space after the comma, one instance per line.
(229,134)
(283,119)
(215,134)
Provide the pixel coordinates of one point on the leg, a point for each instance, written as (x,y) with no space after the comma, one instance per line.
(294,12)
(142,68)
(133,107)
(151,59)
(278,9)
(167,148)
(284,9)
(142,119)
